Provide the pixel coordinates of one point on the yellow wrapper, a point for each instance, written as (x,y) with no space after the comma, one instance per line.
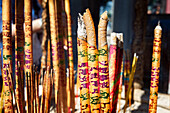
(103,64)
(156,55)
(92,62)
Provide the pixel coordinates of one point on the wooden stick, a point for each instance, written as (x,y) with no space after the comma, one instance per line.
(156,56)
(103,64)
(7,52)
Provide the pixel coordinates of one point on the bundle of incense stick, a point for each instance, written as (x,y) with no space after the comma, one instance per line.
(116,78)
(156,56)
(132,73)
(92,62)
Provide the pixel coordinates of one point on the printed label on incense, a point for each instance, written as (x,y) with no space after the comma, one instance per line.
(155,71)
(83,75)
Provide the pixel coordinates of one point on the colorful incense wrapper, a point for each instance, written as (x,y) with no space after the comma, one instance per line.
(112,64)
(7,54)
(116,78)
(103,64)
(92,62)
(83,66)
(156,56)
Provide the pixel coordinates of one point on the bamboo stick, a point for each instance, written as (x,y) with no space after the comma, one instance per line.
(83,66)
(92,62)
(19,50)
(43,94)
(7,53)
(156,56)
(28,49)
(37,92)
(103,64)
(54,42)
(70,53)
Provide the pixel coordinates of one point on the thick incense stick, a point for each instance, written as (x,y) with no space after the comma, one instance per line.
(103,64)
(70,52)
(135,58)
(28,48)
(112,64)
(92,62)
(83,66)
(61,56)
(156,55)
(54,42)
(19,51)
(116,78)
(7,53)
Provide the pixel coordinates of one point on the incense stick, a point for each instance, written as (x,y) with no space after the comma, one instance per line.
(83,77)
(156,56)
(103,64)
(92,62)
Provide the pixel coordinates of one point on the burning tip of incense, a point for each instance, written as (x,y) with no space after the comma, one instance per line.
(137,56)
(159,22)
(158,27)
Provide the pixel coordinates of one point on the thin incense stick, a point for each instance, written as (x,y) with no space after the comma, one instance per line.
(7,52)
(54,42)
(156,56)
(61,56)
(135,58)
(28,49)
(92,62)
(70,52)
(103,64)
(19,50)
(83,66)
